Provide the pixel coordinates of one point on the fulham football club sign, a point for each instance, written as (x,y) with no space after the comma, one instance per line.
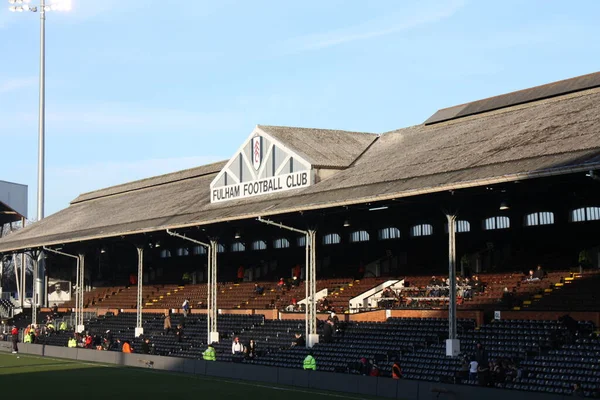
(263,165)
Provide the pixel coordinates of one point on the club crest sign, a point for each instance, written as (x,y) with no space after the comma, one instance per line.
(256,152)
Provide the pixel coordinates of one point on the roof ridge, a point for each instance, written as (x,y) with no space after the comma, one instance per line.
(90,195)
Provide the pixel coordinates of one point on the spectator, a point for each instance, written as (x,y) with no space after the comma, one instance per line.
(299,341)
(539,273)
(481,355)
(328,332)
(473,365)
(62,327)
(210,354)
(297,272)
(483,374)
(146,346)
(236,346)
(127,347)
(259,290)
(365,367)
(396,371)
(309,362)
(185,307)
(250,350)
(89,341)
(281,284)
(333,318)
(132,279)
(240,273)
(167,324)
(15,339)
(374,370)
(179,333)
(531,276)
(72,343)
(578,391)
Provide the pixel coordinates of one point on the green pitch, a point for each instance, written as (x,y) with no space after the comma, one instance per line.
(59,379)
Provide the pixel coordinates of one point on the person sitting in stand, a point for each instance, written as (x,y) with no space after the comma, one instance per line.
(299,341)
(281,284)
(531,277)
(127,347)
(250,350)
(179,333)
(240,274)
(259,290)
(365,367)
(396,371)
(237,347)
(146,346)
(539,273)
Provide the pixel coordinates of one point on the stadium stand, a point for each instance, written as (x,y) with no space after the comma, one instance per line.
(521,169)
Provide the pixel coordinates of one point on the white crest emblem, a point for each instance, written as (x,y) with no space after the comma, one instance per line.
(256,152)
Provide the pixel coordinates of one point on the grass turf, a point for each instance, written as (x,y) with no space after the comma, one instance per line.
(57,378)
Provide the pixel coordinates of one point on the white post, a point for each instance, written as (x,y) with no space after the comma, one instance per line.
(139,330)
(310,313)
(212,333)
(452,344)
(81,290)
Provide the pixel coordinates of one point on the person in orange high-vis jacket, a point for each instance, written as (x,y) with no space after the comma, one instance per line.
(127,348)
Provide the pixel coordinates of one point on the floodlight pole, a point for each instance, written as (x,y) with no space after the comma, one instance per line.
(212,311)
(42,112)
(311,335)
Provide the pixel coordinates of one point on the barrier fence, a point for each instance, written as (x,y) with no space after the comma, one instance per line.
(356,384)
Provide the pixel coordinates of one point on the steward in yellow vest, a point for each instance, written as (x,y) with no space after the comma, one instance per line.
(310,362)
(210,354)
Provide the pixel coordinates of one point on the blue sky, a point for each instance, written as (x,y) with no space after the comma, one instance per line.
(137,88)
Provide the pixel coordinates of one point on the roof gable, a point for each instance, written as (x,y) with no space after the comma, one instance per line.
(261,165)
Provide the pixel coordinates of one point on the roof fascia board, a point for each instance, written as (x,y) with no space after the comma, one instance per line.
(390,196)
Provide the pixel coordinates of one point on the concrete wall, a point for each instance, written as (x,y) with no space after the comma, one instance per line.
(355,384)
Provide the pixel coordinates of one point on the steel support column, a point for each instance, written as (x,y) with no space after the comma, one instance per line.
(139,330)
(311,303)
(452,344)
(34,288)
(310,313)
(212,333)
(80,291)
(23,279)
(20,292)
(213,310)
